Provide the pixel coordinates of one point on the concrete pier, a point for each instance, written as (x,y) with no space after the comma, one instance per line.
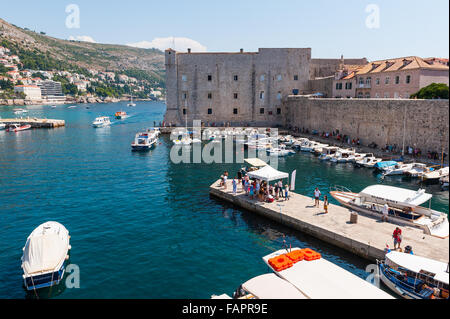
(367,238)
(35,122)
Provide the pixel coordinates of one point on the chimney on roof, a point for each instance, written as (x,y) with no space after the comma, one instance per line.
(242,50)
(189,50)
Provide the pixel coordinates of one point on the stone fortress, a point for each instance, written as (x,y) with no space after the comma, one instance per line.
(276,87)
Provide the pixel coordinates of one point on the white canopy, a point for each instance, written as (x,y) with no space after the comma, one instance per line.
(321,279)
(255,162)
(45,249)
(397,195)
(268,173)
(418,263)
(270,286)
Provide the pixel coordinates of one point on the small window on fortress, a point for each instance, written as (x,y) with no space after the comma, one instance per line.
(397,79)
(184,78)
(261,95)
(279,95)
(295,77)
(261,110)
(278,111)
(184,111)
(235,95)
(279,77)
(386,81)
(235,111)
(235,77)
(378,81)
(408,79)
(261,78)
(209,77)
(184,95)
(209,111)
(210,96)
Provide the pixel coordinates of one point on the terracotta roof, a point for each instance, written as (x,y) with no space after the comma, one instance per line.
(399,64)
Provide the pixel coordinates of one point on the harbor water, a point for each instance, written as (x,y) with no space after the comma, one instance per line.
(140,225)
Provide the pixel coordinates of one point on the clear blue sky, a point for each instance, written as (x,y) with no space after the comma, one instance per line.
(330,28)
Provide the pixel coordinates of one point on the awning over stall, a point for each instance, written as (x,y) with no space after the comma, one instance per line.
(268,173)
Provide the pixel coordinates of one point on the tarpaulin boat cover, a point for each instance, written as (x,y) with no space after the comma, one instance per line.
(45,250)
(386,163)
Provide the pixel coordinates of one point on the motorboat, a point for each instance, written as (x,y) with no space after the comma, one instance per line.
(328,153)
(297,144)
(155,130)
(444,182)
(279,151)
(131,101)
(101,121)
(435,175)
(144,141)
(121,115)
(414,277)
(72,107)
(418,170)
(18,127)
(20,111)
(304,274)
(384,165)
(318,149)
(399,169)
(308,146)
(45,256)
(342,156)
(404,207)
(369,161)
(2,126)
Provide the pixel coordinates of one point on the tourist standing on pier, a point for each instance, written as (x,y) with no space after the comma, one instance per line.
(234,186)
(280,188)
(316,197)
(286,192)
(325,204)
(397,235)
(385,212)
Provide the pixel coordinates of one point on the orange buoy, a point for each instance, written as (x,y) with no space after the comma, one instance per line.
(280,262)
(310,254)
(296,255)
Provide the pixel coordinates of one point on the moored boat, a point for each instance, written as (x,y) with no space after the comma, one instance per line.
(17,127)
(2,126)
(418,170)
(120,115)
(45,255)
(328,153)
(435,175)
(399,169)
(414,277)
(404,207)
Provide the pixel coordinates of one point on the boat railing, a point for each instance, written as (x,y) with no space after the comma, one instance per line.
(339,188)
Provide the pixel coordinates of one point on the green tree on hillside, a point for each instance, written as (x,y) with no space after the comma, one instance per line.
(432,91)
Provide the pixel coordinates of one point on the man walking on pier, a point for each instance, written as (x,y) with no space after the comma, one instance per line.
(316,197)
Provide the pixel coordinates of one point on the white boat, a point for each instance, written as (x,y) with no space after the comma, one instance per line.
(343,156)
(369,161)
(414,277)
(404,207)
(72,107)
(279,151)
(328,153)
(2,126)
(318,149)
(144,141)
(399,169)
(308,146)
(131,101)
(20,111)
(418,170)
(101,121)
(444,182)
(321,279)
(435,175)
(45,255)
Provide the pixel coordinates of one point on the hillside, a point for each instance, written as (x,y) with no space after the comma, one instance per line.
(86,55)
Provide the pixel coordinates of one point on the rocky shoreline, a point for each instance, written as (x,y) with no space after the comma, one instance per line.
(79,100)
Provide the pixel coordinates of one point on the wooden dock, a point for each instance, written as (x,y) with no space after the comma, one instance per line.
(35,122)
(367,238)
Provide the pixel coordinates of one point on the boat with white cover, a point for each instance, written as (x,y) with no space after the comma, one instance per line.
(321,279)
(2,126)
(101,122)
(279,151)
(45,255)
(404,207)
(414,277)
(399,169)
(368,161)
(418,170)
(343,156)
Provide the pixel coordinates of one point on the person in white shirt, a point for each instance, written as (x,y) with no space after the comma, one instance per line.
(385,212)
(316,197)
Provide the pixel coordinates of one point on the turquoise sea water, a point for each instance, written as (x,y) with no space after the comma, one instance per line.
(141,226)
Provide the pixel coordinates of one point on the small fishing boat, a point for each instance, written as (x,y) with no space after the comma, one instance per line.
(44,256)
(418,170)
(121,115)
(20,111)
(384,165)
(144,141)
(435,175)
(18,127)
(399,169)
(404,207)
(328,153)
(414,277)
(342,156)
(279,151)
(72,107)
(53,106)
(101,122)
(369,161)
(444,182)
(2,126)
(308,146)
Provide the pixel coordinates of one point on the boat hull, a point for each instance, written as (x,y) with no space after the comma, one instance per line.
(45,280)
